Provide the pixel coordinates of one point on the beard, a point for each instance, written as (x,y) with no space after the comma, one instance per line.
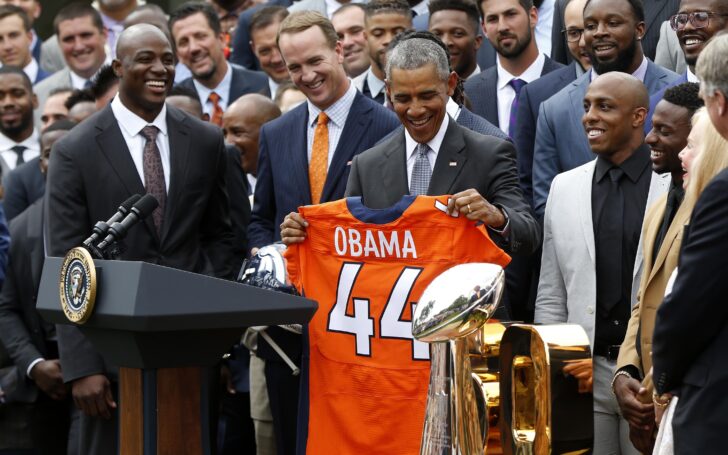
(517,48)
(621,63)
(207,74)
(13,131)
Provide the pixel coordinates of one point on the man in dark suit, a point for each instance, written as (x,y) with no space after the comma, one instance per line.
(198,38)
(42,406)
(561,144)
(509,26)
(136,145)
(298,166)
(692,366)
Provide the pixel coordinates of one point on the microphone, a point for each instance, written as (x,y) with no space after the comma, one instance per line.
(100,228)
(117,231)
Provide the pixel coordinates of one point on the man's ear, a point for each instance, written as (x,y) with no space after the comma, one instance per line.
(452,82)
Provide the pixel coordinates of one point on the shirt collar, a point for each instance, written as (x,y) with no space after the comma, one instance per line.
(452,108)
(692,77)
(375,84)
(331,7)
(633,166)
(338,111)
(132,124)
(31,142)
(421,7)
(273,86)
(31,70)
(434,143)
(475,71)
(532,73)
(34,40)
(222,89)
(639,73)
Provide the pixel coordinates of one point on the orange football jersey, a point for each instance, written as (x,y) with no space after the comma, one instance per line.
(367,268)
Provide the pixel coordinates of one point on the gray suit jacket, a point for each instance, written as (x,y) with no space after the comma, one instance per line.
(51,57)
(313,5)
(561,143)
(669,54)
(567,288)
(466,160)
(44,88)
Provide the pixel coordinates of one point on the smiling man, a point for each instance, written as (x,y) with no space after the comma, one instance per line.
(456,23)
(200,44)
(592,258)
(16,37)
(263,33)
(136,145)
(18,138)
(349,24)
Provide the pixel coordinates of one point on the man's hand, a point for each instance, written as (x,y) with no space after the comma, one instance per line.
(47,376)
(638,414)
(92,395)
(293,229)
(583,371)
(475,207)
(661,408)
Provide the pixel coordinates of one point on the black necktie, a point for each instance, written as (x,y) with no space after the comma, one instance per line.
(366,92)
(674,198)
(609,259)
(19,149)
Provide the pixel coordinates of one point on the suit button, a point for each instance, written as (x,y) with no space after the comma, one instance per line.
(590,309)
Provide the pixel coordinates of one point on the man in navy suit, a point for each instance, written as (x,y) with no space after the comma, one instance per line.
(16,37)
(509,26)
(354,123)
(561,143)
(198,37)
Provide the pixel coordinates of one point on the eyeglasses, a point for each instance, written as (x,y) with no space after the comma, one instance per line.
(573,34)
(698,19)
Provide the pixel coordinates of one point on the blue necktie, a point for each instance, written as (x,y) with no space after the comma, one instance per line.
(517,85)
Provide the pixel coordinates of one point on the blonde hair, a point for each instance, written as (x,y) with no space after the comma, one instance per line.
(710,160)
(300,21)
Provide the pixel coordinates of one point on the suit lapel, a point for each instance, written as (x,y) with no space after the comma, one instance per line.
(653,78)
(490,96)
(357,123)
(450,160)
(34,232)
(658,187)
(585,207)
(296,149)
(393,168)
(650,232)
(682,217)
(179,157)
(576,95)
(113,146)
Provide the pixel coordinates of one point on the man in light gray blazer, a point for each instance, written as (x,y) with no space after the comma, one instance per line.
(592,254)
(560,141)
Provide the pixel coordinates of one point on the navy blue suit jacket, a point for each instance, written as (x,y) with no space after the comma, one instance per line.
(41,75)
(532,95)
(242,53)
(482,90)
(283,184)
(23,185)
(657,96)
(244,81)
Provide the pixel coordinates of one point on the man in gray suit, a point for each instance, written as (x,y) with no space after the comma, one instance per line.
(82,39)
(560,140)
(592,254)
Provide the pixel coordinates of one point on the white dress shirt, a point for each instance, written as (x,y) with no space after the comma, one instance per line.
(475,71)
(131,126)
(421,8)
(639,73)
(337,113)
(32,144)
(453,109)
(31,70)
(273,86)
(434,143)
(222,90)
(77,82)
(692,77)
(505,92)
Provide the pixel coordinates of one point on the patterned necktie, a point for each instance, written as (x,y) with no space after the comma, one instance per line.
(421,171)
(319,158)
(19,149)
(216,116)
(517,85)
(154,174)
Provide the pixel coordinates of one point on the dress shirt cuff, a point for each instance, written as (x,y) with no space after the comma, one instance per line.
(32,364)
(505,231)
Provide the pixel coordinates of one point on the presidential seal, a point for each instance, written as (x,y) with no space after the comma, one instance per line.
(78,285)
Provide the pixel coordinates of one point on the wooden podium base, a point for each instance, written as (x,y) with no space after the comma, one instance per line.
(164,411)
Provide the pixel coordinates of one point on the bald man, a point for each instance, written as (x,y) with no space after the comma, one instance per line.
(592,258)
(137,144)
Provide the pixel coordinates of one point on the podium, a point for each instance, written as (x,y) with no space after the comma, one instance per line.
(164,328)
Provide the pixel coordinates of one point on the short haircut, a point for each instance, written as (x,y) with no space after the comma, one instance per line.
(267,16)
(59,90)
(19,71)
(12,10)
(104,79)
(75,11)
(283,88)
(190,8)
(387,6)
(685,95)
(63,124)
(415,53)
(637,8)
(711,67)
(79,96)
(303,20)
(525,4)
(348,6)
(181,90)
(469,7)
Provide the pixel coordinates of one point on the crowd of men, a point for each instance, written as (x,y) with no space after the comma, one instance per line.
(568,128)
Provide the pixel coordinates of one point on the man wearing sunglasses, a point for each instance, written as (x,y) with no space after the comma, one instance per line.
(695,23)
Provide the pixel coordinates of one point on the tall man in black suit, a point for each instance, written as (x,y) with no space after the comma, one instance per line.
(509,25)
(349,123)
(39,417)
(137,144)
(692,366)
(199,41)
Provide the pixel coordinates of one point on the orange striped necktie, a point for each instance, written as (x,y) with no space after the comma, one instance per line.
(216,116)
(319,158)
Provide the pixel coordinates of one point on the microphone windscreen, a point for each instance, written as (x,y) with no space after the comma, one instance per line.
(146,205)
(129,203)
